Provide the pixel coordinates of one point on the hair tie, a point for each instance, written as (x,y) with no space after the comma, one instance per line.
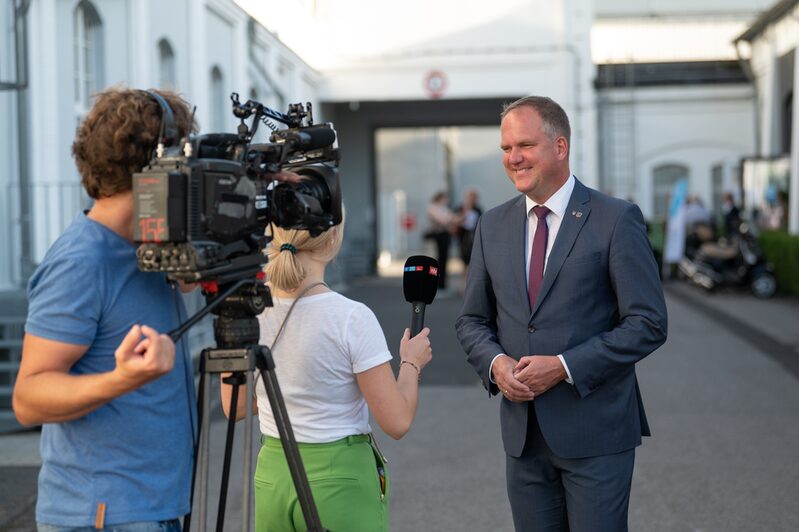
(289,247)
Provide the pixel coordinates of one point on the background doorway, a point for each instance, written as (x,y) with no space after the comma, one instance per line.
(413,163)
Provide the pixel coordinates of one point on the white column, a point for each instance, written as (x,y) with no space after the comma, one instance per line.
(769,104)
(199,70)
(141,48)
(241,80)
(47,130)
(793,196)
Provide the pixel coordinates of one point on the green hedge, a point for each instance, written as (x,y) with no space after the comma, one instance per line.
(782,250)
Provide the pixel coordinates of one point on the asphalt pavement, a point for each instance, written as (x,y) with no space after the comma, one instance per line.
(721,396)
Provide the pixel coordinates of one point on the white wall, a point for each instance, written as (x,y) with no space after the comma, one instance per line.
(698,127)
(159,23)
(774,42)
(615,8)
(538,47)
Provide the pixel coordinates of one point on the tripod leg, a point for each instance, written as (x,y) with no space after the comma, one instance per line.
(247,466)
(187,518)
(235,382)
(205,426)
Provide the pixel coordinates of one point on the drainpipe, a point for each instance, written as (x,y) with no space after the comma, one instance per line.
(21,39)
(26,242)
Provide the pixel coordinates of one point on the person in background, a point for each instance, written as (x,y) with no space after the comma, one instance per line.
(731,215)
(467,215)
(332,363)
(114,394)
(563,299)
(698,225)
(695,212)
(442,224)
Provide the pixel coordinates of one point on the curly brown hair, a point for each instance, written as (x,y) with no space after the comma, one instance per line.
(118,136)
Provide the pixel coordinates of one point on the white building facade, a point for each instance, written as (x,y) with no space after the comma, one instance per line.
(673,100)
(630,139)
(652,136)
(772,178)
(203,49)
(55,54)
(535,47)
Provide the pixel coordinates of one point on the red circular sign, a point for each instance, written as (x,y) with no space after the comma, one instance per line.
(408,221)
(435,83)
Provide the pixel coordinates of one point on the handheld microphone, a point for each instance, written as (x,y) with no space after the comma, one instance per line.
(419,283)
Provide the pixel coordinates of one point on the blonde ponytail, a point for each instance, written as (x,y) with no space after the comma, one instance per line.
(284,270)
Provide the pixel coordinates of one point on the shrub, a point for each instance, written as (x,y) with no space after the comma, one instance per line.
(782,250)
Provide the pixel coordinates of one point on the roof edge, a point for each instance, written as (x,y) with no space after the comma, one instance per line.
(766,18)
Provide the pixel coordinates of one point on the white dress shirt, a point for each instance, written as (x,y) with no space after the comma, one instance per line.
(557,204)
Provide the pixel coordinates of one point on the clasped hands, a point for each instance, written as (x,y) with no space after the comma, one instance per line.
(528,378)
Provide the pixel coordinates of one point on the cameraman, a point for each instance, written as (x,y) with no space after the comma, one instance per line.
(115,395)
(333,367)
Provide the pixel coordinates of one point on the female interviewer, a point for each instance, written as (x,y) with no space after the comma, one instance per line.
(333,368)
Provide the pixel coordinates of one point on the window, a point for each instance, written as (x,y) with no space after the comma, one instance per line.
(166,65)
(88,58)
(284,67)
(219,104)
(259,50)
(663,179)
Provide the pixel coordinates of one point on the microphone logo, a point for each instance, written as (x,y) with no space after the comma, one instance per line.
(432,270)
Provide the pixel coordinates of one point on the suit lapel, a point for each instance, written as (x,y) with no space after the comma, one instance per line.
(567,234)
(518,260)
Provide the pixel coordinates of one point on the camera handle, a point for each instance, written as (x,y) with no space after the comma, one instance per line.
(242,363)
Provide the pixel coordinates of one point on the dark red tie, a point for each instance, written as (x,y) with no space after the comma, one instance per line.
(537,254)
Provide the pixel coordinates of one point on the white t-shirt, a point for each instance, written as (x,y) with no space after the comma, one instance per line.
(326,341)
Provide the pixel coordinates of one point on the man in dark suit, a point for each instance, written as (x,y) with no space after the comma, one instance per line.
(563,297)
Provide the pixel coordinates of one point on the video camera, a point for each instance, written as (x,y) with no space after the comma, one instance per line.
(201,210)
(202,206)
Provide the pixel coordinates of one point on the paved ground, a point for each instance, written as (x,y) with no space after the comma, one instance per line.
(721,395)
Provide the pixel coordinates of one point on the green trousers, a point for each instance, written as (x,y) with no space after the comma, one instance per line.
(345,478)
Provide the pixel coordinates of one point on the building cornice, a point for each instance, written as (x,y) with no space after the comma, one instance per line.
(766,19)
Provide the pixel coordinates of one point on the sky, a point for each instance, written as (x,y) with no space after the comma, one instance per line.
(347,29)
(328,33)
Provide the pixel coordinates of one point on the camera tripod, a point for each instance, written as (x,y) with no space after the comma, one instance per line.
(237,333)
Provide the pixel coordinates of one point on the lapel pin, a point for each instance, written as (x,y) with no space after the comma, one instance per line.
(577,214)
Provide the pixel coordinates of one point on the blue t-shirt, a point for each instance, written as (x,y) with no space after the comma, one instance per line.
(135,453)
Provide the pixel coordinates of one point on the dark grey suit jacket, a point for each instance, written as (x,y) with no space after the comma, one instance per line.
(600,305)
